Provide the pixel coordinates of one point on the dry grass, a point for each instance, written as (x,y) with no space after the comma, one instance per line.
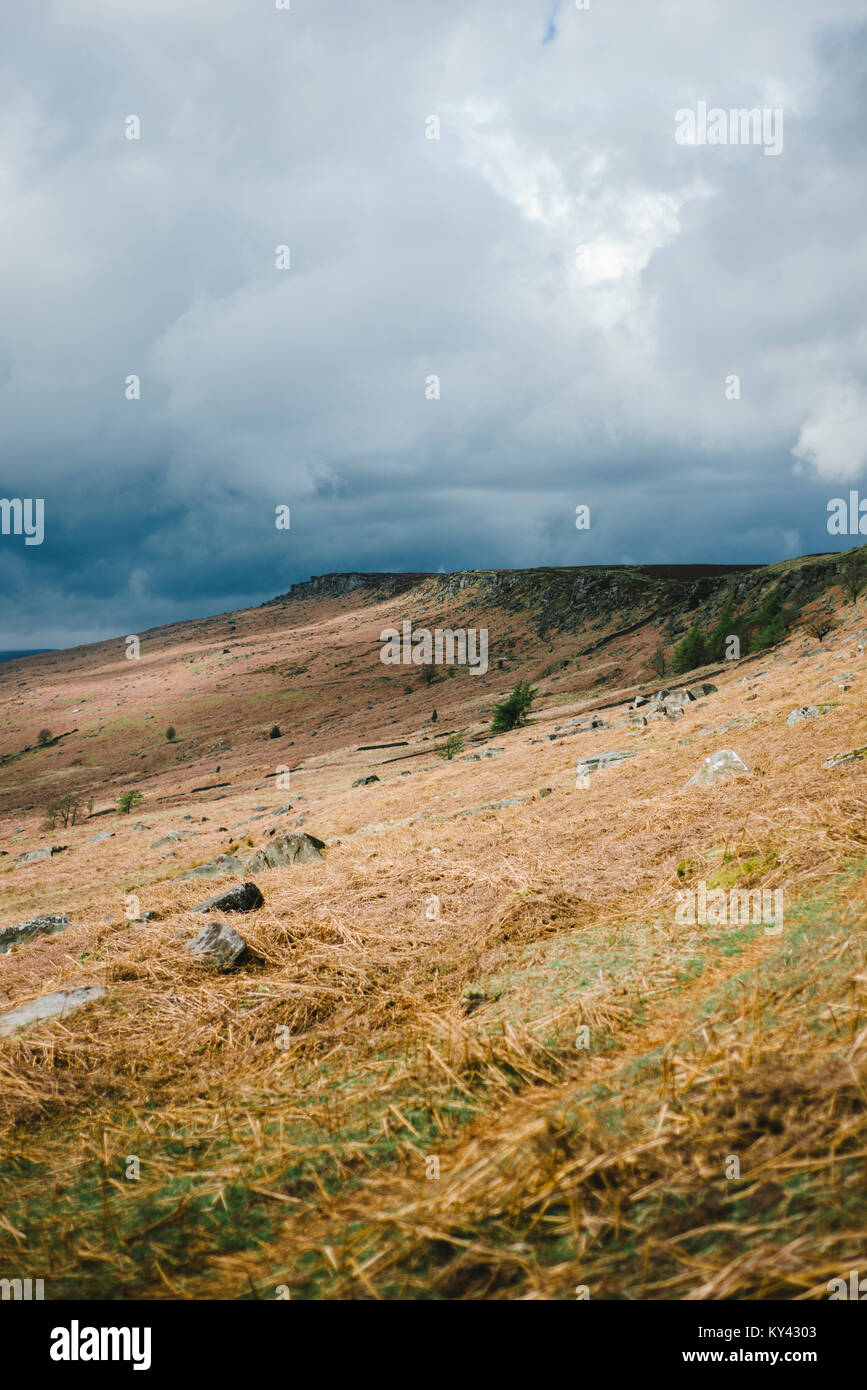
(301,1156)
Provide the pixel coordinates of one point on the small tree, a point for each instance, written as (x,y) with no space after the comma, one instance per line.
(275,731)
(658,661)
(852,569)
(821,625)
(725,628)
(454,744)
(127,800)
(171,733)
(64,809)
(428,675)
(691,652)
(512,712)
(43,737)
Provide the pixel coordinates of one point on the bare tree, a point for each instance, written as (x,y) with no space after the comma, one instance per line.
(852,569)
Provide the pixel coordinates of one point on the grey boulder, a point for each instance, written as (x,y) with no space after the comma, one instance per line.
(216,868)
(48,925)
(32,856)
(288,848)
(719,767)
(841,759)
(594,761)
(64,1002)
(243,897)
(806,712)
(221,945)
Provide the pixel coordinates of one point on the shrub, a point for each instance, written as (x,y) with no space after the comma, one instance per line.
(275,731)
(43,737)
(512,712)
(453,744)
(821,625)
(725,627)
(127,800)
(65,809)
(428,675)
(691,652)
(852,568)
(658,661)
(171,733)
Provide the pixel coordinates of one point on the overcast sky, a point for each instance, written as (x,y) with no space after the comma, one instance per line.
(580,282)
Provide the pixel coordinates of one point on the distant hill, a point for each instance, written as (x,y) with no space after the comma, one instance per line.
(34,651)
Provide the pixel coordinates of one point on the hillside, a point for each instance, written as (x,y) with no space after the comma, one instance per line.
(474,1050)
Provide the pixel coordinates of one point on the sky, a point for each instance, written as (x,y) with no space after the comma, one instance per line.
(515,279)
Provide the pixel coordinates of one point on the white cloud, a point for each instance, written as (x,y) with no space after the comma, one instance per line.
(833,440)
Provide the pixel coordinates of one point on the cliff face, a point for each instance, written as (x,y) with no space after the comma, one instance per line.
(336,585)
(567,598)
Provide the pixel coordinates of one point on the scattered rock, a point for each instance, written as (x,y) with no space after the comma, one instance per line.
(697,691)
(243,897)
(221,945)
(48,925)
(34,855)
(595,761)
(365,781)
(171,838)
(840,759)
(288,848)
(806,712)
(103,835)
(216,868)
(48,1006)
(546,791)
(718,767)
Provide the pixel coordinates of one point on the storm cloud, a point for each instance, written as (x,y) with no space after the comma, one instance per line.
(510,291)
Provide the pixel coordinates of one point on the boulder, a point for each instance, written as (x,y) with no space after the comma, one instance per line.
(243,897)
(719,767)
(288,848)
(103,835)
(216,868)
(594,761)
(32,856)
(365,781)
(699,691)
(806,712)
(170,839)
(64,1002)
(221,945)
(841,759)
(48,925)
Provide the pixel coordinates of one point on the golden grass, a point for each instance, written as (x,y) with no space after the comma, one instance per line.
(283,1115)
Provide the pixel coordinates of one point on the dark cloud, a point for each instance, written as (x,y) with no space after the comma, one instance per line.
(566,375)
